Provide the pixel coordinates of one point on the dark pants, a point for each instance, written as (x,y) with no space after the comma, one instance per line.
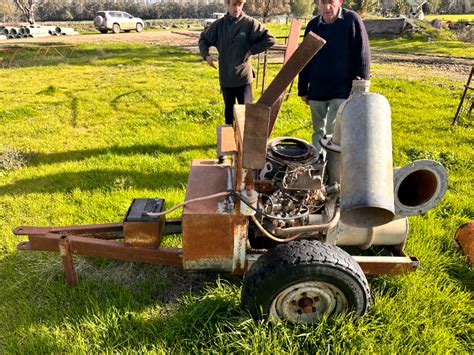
(243,94)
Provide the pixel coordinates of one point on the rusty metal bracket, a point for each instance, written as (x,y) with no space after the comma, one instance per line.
(65,250)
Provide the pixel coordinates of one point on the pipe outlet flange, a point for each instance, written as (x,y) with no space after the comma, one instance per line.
(419,186)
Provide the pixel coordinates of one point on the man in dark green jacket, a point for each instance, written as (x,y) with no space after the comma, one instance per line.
(236,37)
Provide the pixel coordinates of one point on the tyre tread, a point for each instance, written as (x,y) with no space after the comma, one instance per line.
(299,252)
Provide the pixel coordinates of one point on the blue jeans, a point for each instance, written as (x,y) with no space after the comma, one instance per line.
(323,114)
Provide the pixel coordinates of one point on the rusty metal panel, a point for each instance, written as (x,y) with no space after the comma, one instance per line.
(208,241)
(255,136)
(226,140)
(206,177)
(293,38)
(208,228)
(387,265)
(143,233)
(308,48)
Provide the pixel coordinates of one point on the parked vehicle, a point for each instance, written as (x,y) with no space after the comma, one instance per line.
(214,16)
(117,21)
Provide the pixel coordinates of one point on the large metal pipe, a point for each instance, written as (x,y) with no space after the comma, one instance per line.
(5,30)
(419,186)
(38,30)
(332,143)
(366,161)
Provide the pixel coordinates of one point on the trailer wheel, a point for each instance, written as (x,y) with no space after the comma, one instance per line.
(304,280)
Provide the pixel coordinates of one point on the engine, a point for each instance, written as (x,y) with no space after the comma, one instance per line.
(291,185)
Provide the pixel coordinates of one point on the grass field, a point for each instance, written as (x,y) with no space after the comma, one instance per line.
(81,138)
(426,40)
(451,17)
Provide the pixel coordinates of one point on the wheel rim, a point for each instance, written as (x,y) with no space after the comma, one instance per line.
(307,302)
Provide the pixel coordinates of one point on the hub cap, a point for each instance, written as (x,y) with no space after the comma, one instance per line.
(307,302)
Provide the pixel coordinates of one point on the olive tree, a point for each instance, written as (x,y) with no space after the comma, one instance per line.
(267,8)
(27,8)
(301,8)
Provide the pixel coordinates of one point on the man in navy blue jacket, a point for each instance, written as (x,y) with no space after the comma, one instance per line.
(326,81)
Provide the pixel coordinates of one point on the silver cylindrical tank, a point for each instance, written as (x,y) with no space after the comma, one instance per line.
(366,161)
(390,234)
(332,143)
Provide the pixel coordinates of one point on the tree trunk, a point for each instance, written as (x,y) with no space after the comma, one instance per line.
(27,8)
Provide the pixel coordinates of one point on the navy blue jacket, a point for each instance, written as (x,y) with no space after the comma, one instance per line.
(345,56)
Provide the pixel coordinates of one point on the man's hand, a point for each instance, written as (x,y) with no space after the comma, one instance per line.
(210,61)
(305,99)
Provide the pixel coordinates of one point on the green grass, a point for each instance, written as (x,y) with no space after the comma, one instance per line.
(450,17)
(425,40)
(448,48)
(115,122)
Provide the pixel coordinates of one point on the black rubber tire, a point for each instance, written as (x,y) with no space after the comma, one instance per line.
(116,28)
(139,27)
(103,31)
(304,261)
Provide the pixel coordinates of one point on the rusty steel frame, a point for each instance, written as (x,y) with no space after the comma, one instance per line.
(98,240)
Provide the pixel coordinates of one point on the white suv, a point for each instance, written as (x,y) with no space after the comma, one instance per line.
(117,21)
(214,16)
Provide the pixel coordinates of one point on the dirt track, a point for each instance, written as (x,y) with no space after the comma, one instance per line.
(188,39)
(149,37)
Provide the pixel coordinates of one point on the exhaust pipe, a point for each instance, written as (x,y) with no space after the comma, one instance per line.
(367,198)
(419,186)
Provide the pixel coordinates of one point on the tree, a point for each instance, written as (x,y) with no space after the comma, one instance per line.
(8,11)
(301,8)
(266,8)
(364,6)
(27,8)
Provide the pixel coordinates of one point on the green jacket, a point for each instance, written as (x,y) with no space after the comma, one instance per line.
(233,38)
